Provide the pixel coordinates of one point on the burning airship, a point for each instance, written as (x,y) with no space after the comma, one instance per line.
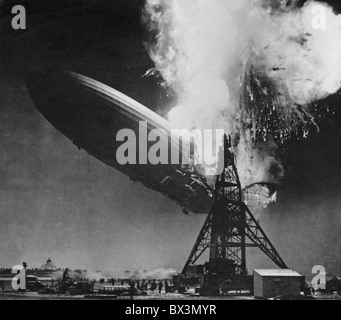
(90,114)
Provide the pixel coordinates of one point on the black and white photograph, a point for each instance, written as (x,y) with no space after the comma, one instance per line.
(183,151)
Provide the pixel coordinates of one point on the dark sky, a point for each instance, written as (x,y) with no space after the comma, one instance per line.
(57,201)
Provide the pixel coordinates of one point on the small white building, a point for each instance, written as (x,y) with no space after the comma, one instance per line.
(270,283)
(48,266)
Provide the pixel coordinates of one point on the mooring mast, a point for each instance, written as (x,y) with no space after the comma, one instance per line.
(230,228)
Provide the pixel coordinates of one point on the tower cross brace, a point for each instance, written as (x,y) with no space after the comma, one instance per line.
(230,227)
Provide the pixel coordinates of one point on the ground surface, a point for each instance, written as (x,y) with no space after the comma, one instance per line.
(155,296)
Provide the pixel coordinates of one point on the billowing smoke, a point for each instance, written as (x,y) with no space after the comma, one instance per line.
(150,274)
(197,48)
(260,163)
(74,275)
(250,67)
(300,52)
(77,275)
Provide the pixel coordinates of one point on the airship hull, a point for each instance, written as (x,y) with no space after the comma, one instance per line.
(91,114)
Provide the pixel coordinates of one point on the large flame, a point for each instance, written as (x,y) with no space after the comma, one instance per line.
(250,67)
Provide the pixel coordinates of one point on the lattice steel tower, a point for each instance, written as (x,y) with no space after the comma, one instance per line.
(230,228)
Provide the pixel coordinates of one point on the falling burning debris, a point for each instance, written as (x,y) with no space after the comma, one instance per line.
(250,67)
(259,196)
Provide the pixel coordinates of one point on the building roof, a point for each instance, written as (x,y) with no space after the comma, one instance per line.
(277,273)
(49,265)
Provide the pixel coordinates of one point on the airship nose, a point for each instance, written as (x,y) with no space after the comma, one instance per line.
(91,114)
(43,86)
(39,77)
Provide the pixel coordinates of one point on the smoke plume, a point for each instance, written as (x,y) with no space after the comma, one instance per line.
(150,274)
(250,67)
